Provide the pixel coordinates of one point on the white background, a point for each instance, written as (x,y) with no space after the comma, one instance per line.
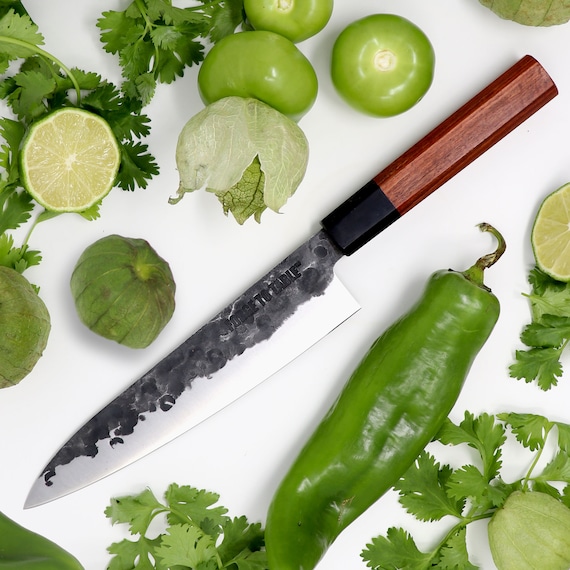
(243,451)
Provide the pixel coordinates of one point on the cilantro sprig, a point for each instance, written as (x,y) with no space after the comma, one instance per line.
(196,533)
(431,491)
(155,41)
(546,335)
(16,205)
(43,83)
(40,84)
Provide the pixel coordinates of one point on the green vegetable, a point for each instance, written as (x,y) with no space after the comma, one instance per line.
(21,548)
(16,205)
(25,325)
(43,84)
(24,318)
(297,20)
(156,41)
(477,491)
(547,334)
(531,12)
(262,65)
(382,64)
(531,531)
(392,406)
(195,533)
(123,290)
(248,154)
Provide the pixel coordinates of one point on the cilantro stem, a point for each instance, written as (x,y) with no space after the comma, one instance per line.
(44,215)
(463,523)
(46,55)
(142,9)
(536,459)
(148,28)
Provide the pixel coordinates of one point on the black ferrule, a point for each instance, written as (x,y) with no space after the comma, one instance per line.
(360,218)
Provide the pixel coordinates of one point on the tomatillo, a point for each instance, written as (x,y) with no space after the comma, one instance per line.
(297,20)
(382,64)
(263,65)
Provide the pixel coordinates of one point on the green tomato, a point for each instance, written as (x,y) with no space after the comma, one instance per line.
(262,65)
(382,64)
(297,20)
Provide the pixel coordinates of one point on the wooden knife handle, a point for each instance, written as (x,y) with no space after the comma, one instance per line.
(481,122)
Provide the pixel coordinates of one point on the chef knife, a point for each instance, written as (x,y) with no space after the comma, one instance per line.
(293,305)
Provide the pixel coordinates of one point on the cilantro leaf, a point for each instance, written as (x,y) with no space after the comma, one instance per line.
(546,335)
(156,42)
(563,436)
(15,5)
(18,258)
(241,540)
(551,331)
(469,483)
(137,511)
(565,497)
(541,281)
(137,167)
(194,504)
(481,433)
(397,550)
(538,363)
(197,533)
(15,208)
(226,17)
(122,113)
(423,490)
(453,553)
(558,469)
(131,555)
(548,296)
(530,430)
(487,437)
(13,133)
(18,37)
(186,545)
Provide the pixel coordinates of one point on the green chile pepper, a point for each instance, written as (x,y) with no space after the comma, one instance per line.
(21,548)
(389,410)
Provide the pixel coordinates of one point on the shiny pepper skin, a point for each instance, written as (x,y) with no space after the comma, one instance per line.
(389,410)
(24,549)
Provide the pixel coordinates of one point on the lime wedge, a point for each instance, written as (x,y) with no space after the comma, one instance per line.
(69,160)
(550,237)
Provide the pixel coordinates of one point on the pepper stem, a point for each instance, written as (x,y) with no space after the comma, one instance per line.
(475,273)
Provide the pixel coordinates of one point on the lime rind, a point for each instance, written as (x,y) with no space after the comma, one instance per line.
(69,160)
(550,236)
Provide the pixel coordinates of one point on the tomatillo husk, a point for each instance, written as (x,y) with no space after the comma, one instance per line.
(123,290)
(25,325)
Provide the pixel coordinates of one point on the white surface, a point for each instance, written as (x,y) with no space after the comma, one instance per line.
(242,452)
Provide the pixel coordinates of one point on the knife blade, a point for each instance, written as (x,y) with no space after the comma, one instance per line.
(295,304)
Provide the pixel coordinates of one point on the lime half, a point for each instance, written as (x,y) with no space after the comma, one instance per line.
(70,160)
(550,237)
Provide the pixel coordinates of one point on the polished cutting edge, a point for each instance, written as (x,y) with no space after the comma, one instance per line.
(205,373)
(294,305)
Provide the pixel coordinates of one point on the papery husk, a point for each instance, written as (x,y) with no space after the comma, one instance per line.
(24,327)
(531,12)
(531,532)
